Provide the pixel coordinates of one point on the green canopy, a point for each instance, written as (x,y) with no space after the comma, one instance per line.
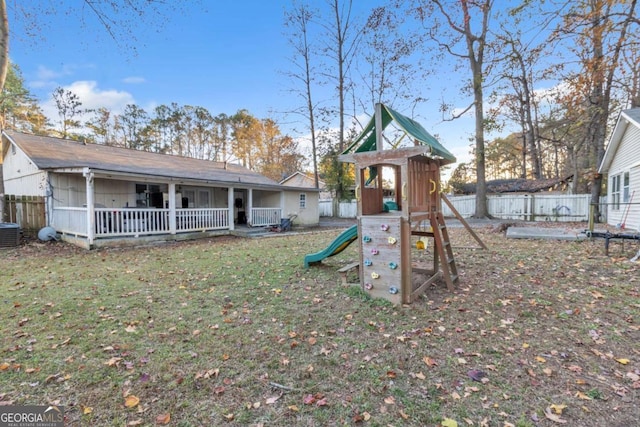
(366,141)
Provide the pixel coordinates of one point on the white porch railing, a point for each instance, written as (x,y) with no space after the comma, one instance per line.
(202,219)
(70,220)
(125,222)
(265,216)
(111,222)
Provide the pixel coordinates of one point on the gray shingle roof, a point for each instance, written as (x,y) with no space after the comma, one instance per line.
(55,153)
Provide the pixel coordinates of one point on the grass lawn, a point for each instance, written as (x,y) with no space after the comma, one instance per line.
(231,331)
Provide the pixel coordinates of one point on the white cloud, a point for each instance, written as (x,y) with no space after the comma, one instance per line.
(91,97)
(134,80)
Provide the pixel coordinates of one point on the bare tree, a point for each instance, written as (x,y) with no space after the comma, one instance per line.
(342,36)
(450,27)
(298,20)
(597,31)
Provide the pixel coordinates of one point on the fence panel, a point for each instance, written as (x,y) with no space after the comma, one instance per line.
(348,209)
(26,211)
(325,207)
(510,207)
(561,207)
(528,207)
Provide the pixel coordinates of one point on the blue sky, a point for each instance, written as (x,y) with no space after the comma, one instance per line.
(224,56)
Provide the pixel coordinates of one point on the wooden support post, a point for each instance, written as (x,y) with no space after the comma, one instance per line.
(462,220)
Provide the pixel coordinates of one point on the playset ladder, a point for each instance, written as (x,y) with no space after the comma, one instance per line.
(443,250)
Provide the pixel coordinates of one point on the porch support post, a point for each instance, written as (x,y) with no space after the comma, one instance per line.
(91,214)
(250,207)
(231,209)
(282,214)
(172,208)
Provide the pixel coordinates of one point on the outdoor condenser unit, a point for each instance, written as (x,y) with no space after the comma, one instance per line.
(9,235)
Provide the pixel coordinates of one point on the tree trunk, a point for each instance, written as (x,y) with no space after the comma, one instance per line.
(4,43)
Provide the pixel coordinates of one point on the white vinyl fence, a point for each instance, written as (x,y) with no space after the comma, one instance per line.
(527,207)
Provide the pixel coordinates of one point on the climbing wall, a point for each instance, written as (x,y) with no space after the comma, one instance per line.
(381,252)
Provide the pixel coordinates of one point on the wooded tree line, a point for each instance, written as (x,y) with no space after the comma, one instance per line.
(182,130)
(550,77)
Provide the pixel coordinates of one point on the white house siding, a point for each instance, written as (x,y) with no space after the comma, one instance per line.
(21,176)
(627,155)
(633,218)
(309,215)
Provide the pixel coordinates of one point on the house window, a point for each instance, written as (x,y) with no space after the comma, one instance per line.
(303,201)
(615,192)
(625,187)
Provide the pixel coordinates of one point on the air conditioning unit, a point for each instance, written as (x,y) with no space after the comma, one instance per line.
(9,235)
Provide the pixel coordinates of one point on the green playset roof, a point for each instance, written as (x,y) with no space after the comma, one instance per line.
(366,141)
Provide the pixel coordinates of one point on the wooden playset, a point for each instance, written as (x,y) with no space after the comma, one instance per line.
(386,227)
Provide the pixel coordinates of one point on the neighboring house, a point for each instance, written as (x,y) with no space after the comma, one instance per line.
(96,194)
(621,165)
(303,180)
(519,185)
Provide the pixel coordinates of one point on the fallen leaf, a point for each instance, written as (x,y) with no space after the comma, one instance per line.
(390,400)
(622,361)
(448,422)
(429,361)
(293,408)
(163,418)
(553,417)
(558,408)
(134,423)
(581,395)
(229,417)
(309,399)
(131,401)
(272,400)
(86,410)
(114,361)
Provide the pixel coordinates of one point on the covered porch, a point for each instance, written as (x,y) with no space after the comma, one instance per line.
(93,207)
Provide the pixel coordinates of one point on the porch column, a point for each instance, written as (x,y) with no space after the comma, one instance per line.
(282,206)
(250,207)
(172,208)
(91,213)
(231,209)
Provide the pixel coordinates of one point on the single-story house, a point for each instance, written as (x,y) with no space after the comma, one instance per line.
(621,165)
(97,195)
(304,180)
